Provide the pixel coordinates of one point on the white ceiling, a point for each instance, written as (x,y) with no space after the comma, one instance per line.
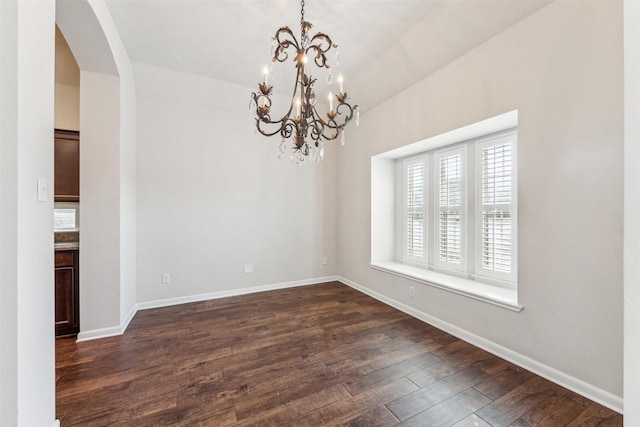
(230,40)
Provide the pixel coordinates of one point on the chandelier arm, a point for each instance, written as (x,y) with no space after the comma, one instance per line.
(318,118)
(331,137)
(289,124)
(317,129)
(319,58)
(332,123)
(263,131)
(320,49)
(264,118)
(288,128)
(262,111)
(333,128)
(285,39)
(323,37)
(350,111)
(324,125)
(294,96)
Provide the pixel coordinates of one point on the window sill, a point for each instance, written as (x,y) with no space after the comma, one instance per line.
(502,297)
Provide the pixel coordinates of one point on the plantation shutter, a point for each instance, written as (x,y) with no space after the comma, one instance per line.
(414,210)
(450,213)
(496,226)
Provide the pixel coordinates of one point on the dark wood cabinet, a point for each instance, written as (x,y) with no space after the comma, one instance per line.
(66,166)
(66,293)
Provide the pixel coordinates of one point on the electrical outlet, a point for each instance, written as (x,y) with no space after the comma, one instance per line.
(412,291)
(248,268)
(166,278)
(325,261)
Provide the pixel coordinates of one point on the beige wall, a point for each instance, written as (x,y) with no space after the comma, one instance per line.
(99,195)
(67,107)
(562,69)
(212,196)
(67,88)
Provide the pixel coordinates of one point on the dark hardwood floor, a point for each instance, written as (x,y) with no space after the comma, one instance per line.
(309,356)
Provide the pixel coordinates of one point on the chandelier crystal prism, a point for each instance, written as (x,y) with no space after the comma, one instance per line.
(303,124)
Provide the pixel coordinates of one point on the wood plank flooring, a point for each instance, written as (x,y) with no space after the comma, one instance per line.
(309,356)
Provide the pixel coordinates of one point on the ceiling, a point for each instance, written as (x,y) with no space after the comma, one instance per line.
(230,40)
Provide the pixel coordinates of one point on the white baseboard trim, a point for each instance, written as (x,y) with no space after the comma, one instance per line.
(232,292)
(576,385)
(56,423)
(99,333)
(108,332)
(124,324)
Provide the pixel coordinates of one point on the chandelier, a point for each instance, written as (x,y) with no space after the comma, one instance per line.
(302,123)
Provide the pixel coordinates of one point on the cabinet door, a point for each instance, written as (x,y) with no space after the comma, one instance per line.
(67,311)
(67,166)
(64,298)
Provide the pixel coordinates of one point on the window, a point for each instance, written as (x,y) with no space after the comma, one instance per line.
(495,224)
(450,201)
(444,211)
(414,210)
(65,216)
(438,213)
(64,219)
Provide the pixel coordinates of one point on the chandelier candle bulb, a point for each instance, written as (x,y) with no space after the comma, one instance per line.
(340,80)
(330,101)
(266,75)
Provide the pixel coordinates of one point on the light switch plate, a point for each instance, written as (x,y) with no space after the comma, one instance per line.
(42,190)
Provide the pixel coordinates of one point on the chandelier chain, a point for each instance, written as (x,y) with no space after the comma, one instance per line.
(301,11)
